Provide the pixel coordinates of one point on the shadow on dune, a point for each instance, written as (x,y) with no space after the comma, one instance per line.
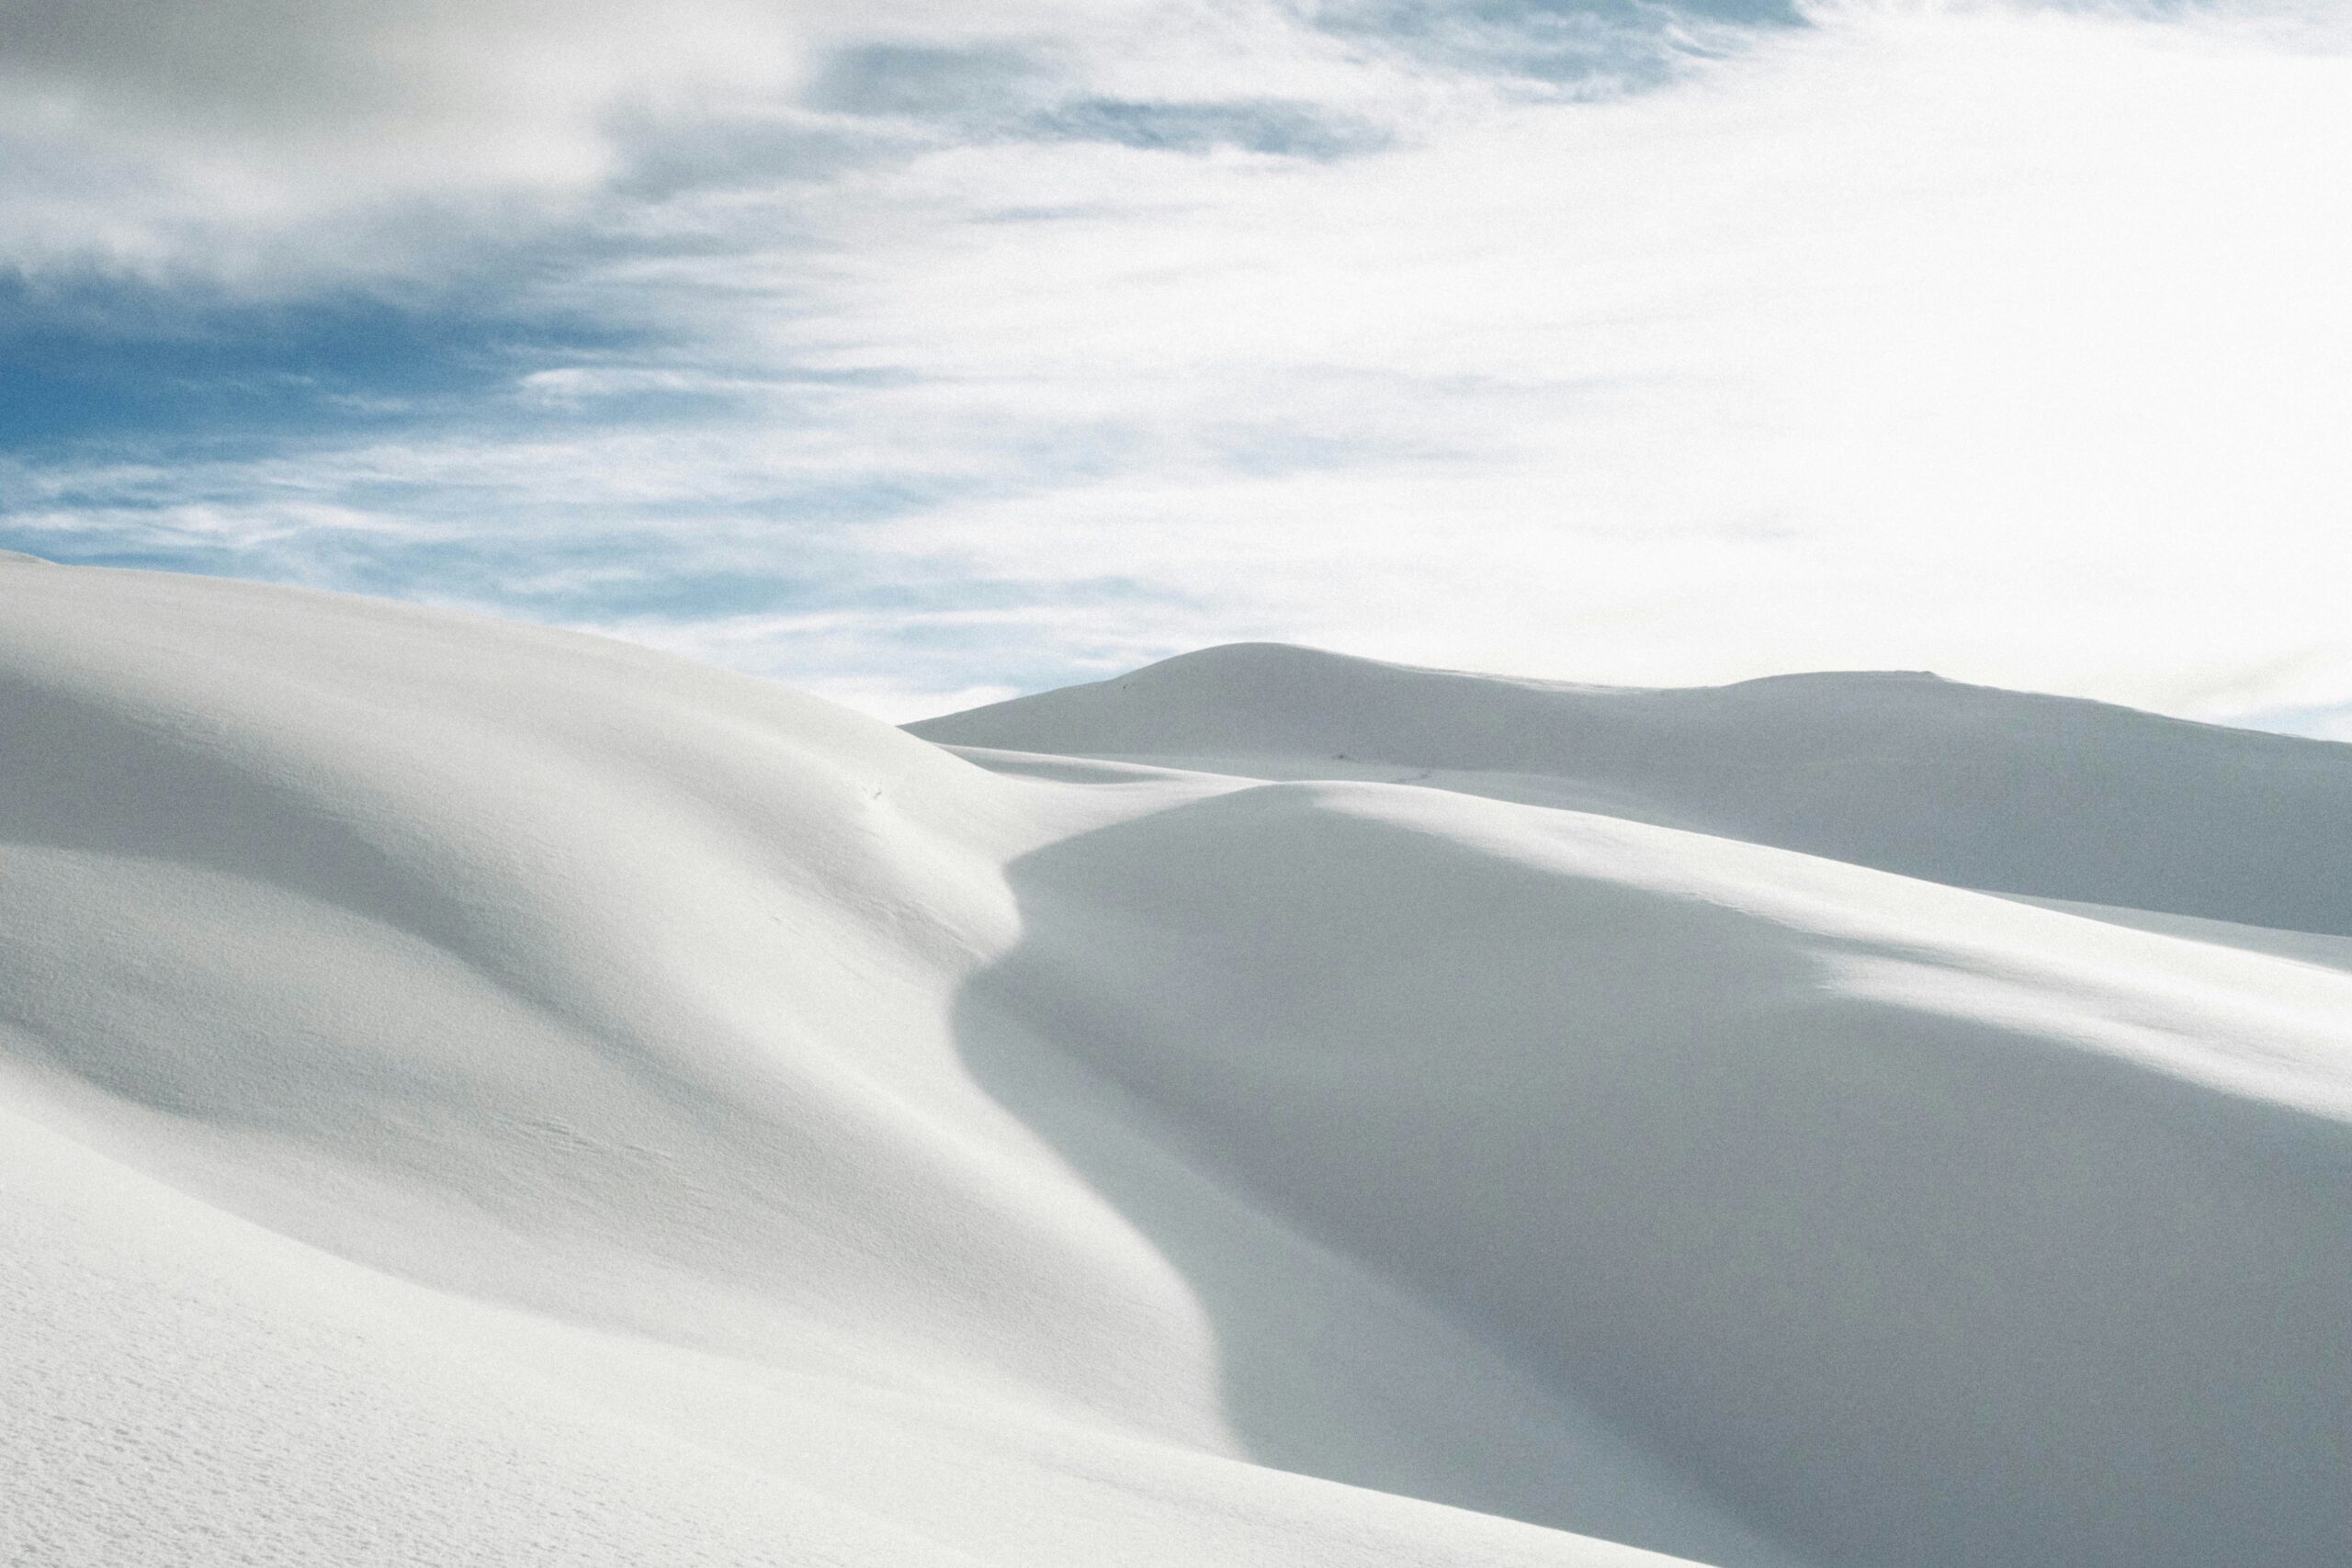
(1898,1285)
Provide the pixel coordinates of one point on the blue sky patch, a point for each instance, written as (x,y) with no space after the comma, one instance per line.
(131,365)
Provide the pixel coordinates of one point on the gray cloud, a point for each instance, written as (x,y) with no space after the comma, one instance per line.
(335,68)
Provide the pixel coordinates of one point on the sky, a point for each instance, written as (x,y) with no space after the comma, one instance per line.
(919,354)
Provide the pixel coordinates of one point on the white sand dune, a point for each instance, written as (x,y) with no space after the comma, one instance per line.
(473,1094)
(1904,771)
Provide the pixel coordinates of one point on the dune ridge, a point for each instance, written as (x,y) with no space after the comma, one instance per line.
(2012,792)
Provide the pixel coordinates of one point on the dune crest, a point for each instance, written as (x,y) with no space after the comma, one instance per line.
(2011,791)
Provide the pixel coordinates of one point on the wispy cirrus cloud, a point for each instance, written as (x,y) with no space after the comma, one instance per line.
(927,351)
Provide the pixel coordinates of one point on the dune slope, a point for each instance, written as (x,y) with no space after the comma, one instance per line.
(475,1094)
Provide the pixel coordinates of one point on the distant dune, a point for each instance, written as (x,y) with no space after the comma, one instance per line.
(1967,784)
(473,1094)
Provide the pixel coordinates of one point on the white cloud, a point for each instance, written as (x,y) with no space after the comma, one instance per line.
(2009,342)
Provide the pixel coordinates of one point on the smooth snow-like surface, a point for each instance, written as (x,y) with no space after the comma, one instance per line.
(1983,788)
(471,1094)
